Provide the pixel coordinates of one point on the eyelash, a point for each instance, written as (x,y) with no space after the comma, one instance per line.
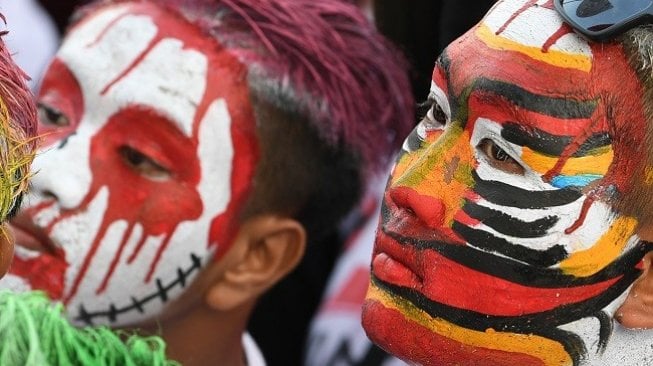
(143,164)
(51,116)
(423,108)
(432,107)
(433,117)
(499,158)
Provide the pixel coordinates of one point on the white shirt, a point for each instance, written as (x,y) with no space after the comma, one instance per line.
(252,352)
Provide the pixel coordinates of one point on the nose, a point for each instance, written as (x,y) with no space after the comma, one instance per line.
(63,172)
(430,210)
(433,181)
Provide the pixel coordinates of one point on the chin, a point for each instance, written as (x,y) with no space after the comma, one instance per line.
(413,341)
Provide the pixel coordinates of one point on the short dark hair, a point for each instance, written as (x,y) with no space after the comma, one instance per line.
(637,201)
(301,176)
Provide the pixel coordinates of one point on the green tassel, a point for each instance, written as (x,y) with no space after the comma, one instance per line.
(33,331)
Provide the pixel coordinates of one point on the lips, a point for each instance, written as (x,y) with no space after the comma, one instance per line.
(399,264)
(44,266)
(440,273)
(30,236)
(391,270)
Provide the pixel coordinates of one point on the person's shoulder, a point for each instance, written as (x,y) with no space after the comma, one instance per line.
(252,352)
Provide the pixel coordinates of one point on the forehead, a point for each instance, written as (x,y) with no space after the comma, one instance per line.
(524,42)
(523,65)
(139,54)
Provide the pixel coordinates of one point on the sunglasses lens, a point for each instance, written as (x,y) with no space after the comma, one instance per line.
(597,15)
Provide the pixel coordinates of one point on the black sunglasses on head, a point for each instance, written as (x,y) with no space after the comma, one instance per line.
(601,19)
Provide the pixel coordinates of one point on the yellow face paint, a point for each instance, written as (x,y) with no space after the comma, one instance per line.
(588,262)
(590,164)
(550,352)
(552,57)
(442,166)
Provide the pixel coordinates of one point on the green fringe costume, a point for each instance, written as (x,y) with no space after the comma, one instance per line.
(34,332)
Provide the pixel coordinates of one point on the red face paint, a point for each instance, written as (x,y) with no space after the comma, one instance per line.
(498,244)
(140,186)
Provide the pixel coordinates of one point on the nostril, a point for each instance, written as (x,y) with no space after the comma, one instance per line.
(48,195)
(429,209)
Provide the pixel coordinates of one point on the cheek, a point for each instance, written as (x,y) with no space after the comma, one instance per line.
(157,205)
(432,152)
(61,91)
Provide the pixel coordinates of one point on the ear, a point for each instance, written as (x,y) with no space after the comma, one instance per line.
(265,250)
(637,310)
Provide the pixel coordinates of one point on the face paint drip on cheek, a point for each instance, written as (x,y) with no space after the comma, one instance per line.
(131,198)
(156,217)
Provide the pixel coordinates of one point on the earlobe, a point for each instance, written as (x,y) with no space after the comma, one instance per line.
(265,250)
(637,311)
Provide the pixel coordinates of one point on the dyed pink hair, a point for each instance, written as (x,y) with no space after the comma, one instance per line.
(321,58)
(15,93)
(17,129)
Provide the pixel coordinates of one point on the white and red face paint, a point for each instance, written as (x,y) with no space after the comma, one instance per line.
(150,148)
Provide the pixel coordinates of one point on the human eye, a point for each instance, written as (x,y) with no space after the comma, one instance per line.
(51,116)
(143,164)
(435,118)
(499,158)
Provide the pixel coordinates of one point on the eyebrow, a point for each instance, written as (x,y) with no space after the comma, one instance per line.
(562,108)
(444,63)
(553,145)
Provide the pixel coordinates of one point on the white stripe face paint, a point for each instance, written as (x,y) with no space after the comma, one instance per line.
(599,217)
(500,238)
(132,189)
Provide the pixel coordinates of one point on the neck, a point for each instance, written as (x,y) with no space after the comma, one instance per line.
(204,336)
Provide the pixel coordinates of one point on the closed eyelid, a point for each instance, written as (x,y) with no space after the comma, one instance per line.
(152,152)
(60,90)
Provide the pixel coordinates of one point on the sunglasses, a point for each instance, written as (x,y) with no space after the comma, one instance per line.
(601,19)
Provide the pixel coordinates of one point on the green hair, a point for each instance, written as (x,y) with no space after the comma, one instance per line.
(33,331)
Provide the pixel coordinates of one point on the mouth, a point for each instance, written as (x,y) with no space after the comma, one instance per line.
(450,279)
(392,270)
(394,262)
(31,237)
(38,262)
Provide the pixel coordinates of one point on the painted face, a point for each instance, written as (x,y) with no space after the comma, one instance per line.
(499,243)
(150,146)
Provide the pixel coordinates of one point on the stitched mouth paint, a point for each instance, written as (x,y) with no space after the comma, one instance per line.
(149,134)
